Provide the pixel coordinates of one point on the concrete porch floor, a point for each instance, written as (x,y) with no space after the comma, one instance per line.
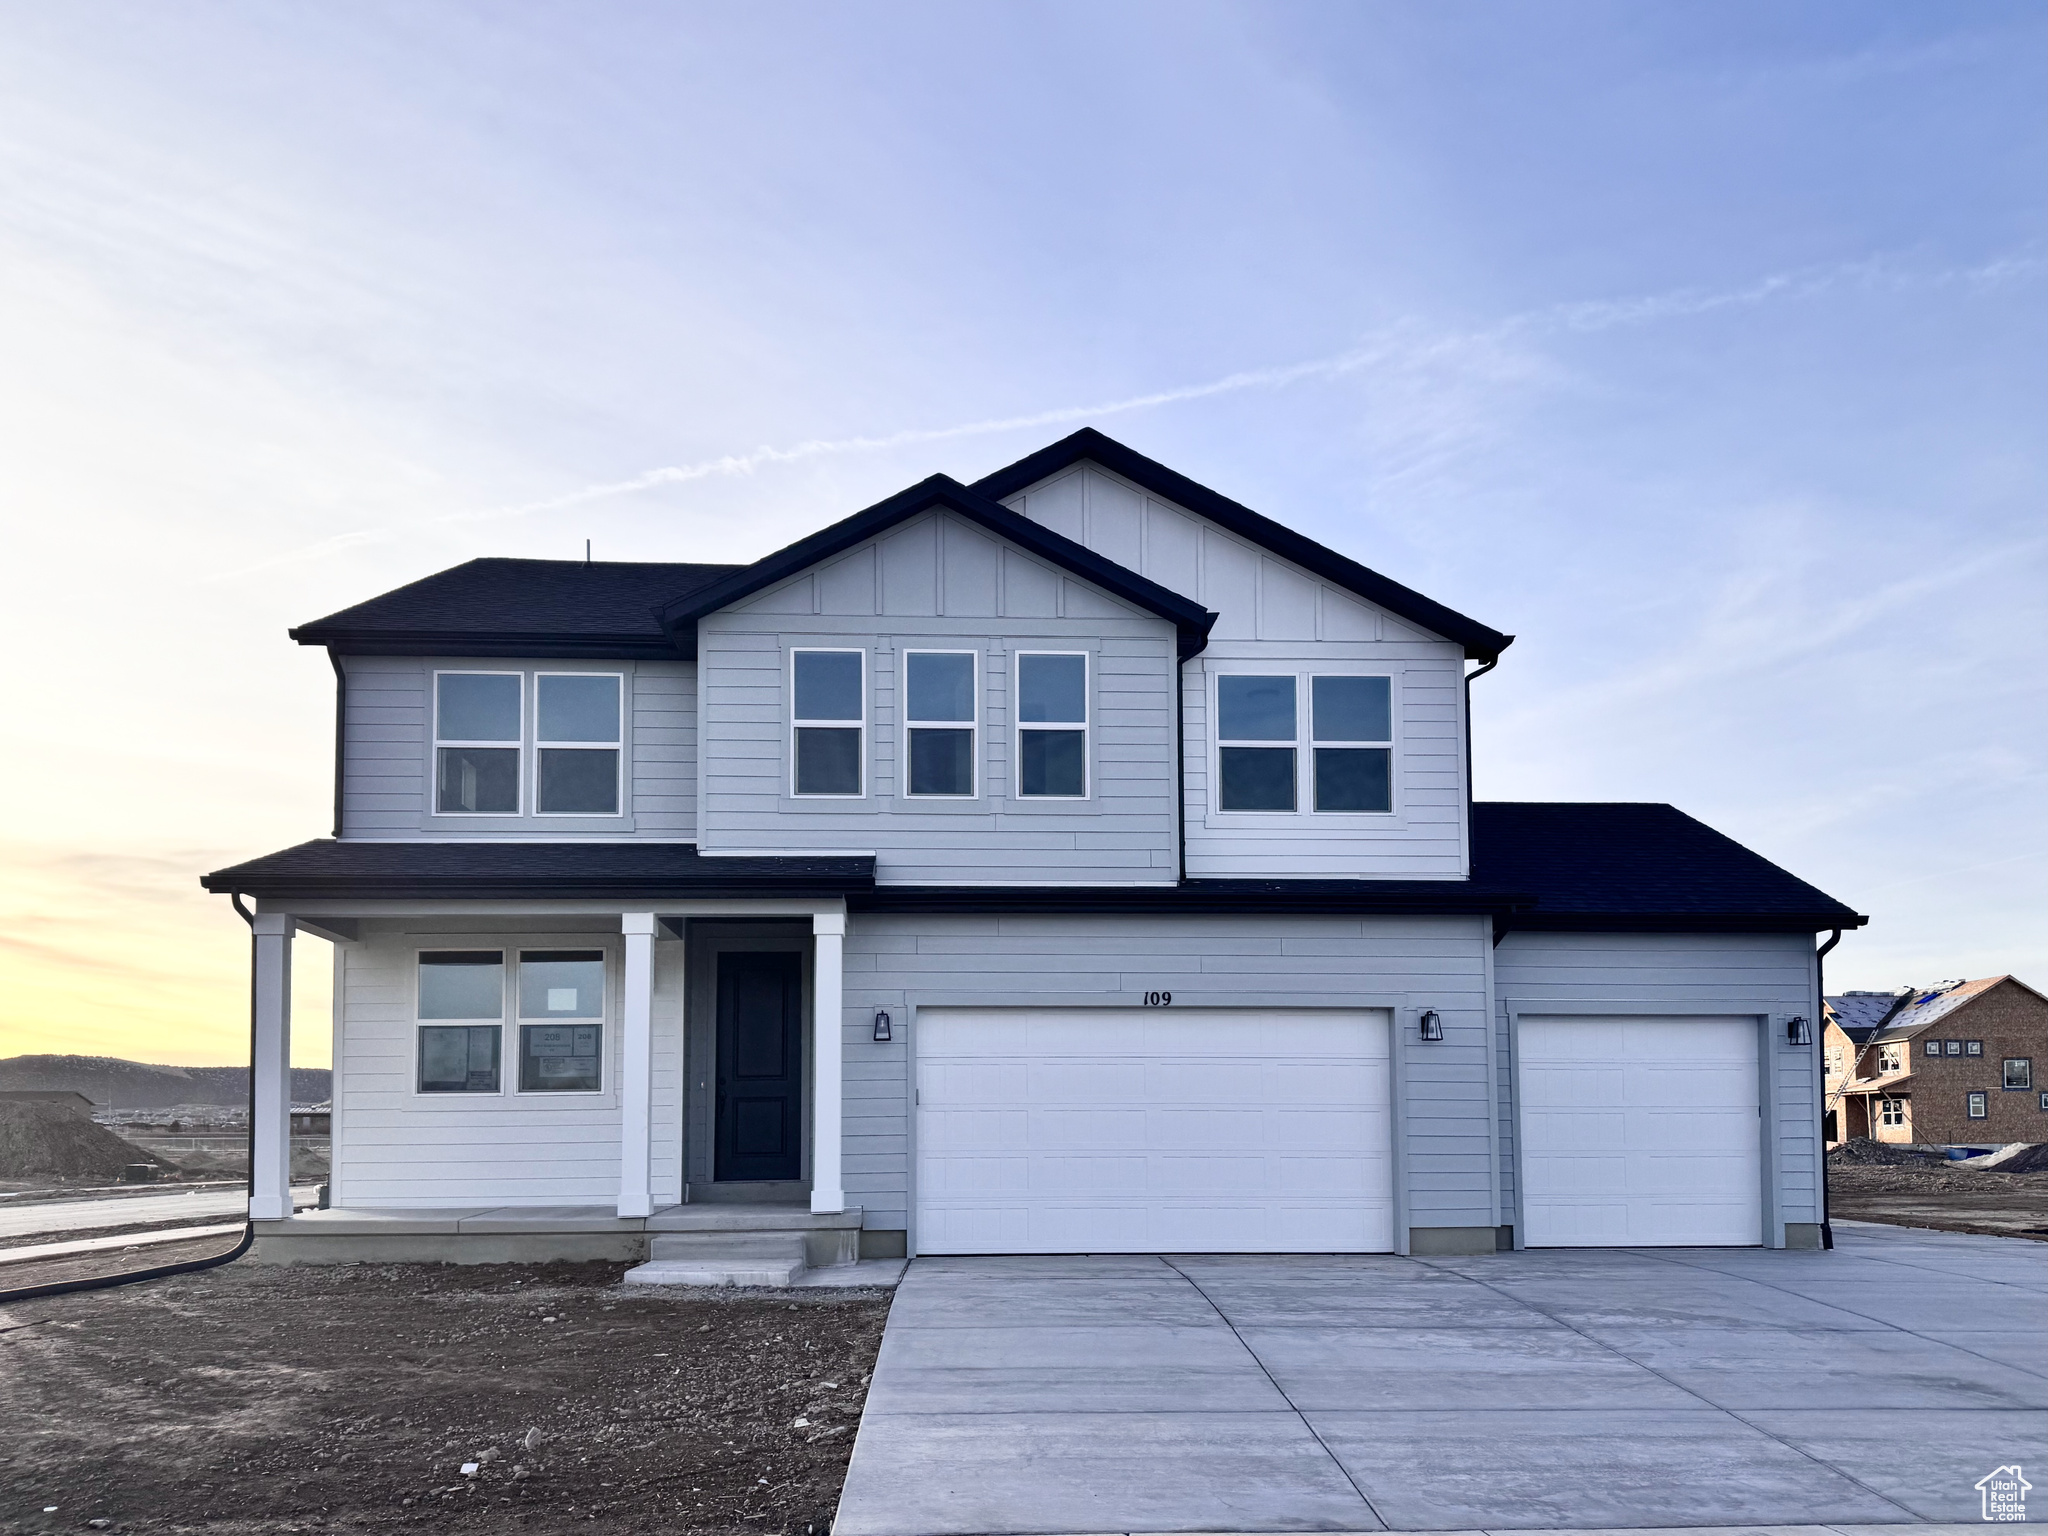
(511,1234)
(1547,1390)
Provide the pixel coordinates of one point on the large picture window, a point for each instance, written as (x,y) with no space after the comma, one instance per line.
(2019,1071)
(1052,725)
(939,722)
(1256,737)
(477,736)
(577,743)
(1352,720)
(461,1007)
(828,690)
(561,1020)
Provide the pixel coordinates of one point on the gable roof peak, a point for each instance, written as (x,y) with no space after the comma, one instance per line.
(1481,642)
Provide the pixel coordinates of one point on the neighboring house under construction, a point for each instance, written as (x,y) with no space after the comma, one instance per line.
(1954,1066)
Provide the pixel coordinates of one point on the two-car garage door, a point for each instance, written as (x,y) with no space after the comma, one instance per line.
(1153,1131)
(1640,1132)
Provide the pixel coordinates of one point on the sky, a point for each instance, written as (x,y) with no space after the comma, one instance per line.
(1700,346)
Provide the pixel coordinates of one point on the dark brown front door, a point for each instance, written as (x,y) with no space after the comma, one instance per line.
(760,1067)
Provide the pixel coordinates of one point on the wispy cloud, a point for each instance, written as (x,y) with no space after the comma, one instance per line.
(1404,348)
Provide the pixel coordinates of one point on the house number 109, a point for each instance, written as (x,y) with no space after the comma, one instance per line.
(1158,999)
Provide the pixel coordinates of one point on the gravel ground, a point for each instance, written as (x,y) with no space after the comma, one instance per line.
(1918,1191)
(257,1399)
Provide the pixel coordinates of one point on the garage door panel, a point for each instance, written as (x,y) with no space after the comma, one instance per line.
(1658,1146)
(1191,1130)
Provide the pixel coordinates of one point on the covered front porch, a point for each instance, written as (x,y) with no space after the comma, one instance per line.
(660,1146)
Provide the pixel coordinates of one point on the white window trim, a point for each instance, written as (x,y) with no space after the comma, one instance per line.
(1933,1048)
(519,746)
(2005,1066)
(509,1074)
(972,725)
(1019,726)
(1891,1111)
(1305,742)
(506,1006)
(1890,1059)
(1971,1102)
(861,724)
(617,747)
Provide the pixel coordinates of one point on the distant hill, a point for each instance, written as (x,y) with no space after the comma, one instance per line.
(112,1083)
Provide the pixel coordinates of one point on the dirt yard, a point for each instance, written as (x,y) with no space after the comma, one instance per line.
(249,1399)
(1916,1190)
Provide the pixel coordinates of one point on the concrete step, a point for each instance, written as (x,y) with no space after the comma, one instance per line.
(764,1258)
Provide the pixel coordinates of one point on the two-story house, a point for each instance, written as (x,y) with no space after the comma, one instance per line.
(1072,861)
(1953,1066)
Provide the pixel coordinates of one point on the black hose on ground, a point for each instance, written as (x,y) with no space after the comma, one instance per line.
(189,1266)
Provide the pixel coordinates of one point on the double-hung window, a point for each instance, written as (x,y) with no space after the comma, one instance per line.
(478,733)
(939,721)
(1978,1106)
(461,1009)
(561,1020)
(1352,719)
(577,743)
(1052,725)
(1256,733)
(828,722)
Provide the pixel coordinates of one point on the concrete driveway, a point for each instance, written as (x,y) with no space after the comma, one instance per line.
(1539,1390)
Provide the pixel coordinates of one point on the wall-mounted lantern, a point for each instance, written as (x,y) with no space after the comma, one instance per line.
(1431,1024)
(882,1026)
(1798,1031)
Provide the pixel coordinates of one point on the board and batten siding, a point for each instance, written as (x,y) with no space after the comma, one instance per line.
(1272,613)
(938,582)
(395,1147)
(896,963)
(1705,974)
(388,753)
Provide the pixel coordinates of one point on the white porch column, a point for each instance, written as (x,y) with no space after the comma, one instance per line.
(270,1168)
(828,931)
(636,1066)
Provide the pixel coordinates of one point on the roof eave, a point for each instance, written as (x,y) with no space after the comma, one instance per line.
(435,642)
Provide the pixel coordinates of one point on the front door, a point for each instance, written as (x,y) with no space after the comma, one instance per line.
(760,1067)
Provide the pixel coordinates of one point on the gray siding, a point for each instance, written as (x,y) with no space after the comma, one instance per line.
(1404,963)
(1557,973)
(937,582)
(388,753)
(1273,614)
(396,1147)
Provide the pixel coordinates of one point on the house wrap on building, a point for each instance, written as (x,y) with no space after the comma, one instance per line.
(1951,1066)
(1072,861)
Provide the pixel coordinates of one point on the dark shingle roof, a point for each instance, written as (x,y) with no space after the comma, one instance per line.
(1858,1013)
(330,870)
(1638,866)
(499,607)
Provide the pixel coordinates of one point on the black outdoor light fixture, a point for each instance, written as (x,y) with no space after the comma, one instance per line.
(1797,1031)
(1431,1024)
(882,1026)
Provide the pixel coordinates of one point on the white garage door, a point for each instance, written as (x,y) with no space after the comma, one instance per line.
(1640,1132)
(1153,1130)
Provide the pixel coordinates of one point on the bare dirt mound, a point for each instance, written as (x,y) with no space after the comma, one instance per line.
(48,1139)
(1883,1155)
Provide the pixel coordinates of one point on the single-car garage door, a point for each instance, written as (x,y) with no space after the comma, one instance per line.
(1640,1132)
(1155,1130)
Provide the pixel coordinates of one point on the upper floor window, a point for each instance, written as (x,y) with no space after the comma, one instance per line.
(477,738)
(2019,1071)
(480,741)
(1052,725)
(828,722)
(577,743)
(1973,1047)
(1934,1047)
(1256,735)
(1891,1058)
(1952,1047)
(1349,745)
(939,722)
(1352,719)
